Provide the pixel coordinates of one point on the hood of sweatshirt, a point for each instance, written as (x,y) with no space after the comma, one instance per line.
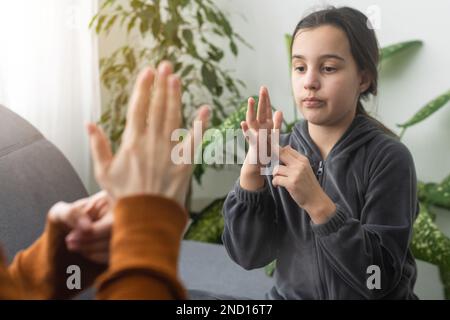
(361,130)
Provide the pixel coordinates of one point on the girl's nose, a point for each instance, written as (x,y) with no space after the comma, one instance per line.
(311,81)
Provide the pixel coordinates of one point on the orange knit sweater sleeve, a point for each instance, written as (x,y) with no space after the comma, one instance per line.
(144,254)
(145,247)
(41,271)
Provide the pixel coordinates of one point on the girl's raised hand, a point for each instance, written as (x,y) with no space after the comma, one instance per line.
(258,127)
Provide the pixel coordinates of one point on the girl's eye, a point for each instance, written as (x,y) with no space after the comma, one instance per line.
(329,69)
(300,69)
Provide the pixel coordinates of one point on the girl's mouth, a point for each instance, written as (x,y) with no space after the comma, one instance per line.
(312,103)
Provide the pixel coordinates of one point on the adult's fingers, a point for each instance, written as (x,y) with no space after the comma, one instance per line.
(100,258)
(98,206)
(139,104)
(159,98)
(195,136)
(101,151)
(173,112)
(67,213)
(103,227)
(89,247)
(94,231)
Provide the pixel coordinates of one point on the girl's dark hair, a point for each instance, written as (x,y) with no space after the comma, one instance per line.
(363,45)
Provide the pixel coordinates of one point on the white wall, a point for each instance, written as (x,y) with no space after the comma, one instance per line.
(408,85)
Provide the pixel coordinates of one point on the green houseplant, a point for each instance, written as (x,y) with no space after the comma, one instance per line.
(429,243)
(182,31)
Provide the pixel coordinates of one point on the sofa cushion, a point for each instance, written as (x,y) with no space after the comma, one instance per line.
(34,175)
(207,267)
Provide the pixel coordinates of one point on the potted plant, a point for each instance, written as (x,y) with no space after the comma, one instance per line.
(185,32)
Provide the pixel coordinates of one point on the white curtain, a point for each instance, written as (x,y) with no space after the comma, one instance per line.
(49,71)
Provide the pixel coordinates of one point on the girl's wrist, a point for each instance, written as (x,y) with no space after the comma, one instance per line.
(251,178)
(321,210)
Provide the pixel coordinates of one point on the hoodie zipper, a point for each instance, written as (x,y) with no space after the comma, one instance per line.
(319,266)
(320,170)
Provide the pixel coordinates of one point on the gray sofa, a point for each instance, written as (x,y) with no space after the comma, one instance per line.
(34,175)
(205,266)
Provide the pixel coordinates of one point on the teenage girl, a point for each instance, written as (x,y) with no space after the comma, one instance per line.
(338,212)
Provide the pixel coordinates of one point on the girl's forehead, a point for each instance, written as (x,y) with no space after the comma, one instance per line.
(323,40)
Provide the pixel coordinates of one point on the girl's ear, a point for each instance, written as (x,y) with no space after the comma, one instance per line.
(365,81)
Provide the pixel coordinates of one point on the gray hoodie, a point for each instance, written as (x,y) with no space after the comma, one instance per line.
(371,178)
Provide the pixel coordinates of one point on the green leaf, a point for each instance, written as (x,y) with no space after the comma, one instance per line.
(156,28)
(288,40)
(211,15)
(445,278)
(110,23)
(427,110)
(215,53)
(199,171)
(242,40)
(107,3)
(436,194)
(100,22)
(226,25)
(131,60)
(270,268)
(446,182)
(429,243)
(136,5)
(392,50)
(200,19)
(421,191)
(131,24)
(233,48)
(187,70)
(177,67)
(144,27)
(208,225)
(91,23)
(188,37)
(209,77)
(218,32)
(170,31)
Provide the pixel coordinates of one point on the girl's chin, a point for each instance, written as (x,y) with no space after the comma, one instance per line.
(313,115)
